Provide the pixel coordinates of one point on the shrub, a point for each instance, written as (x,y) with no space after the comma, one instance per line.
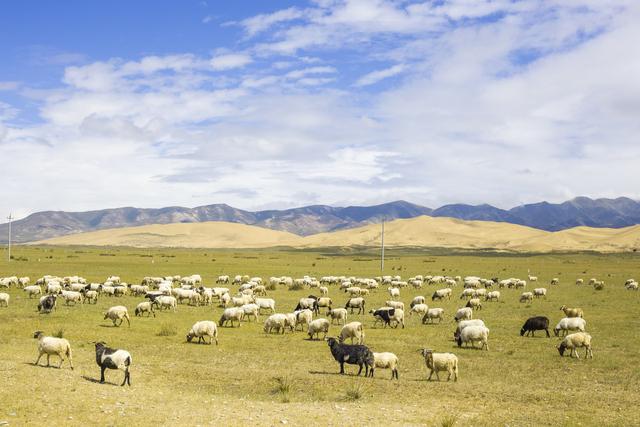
(296,287)
(282,388)
(167,330)
(355,392)
(59,333)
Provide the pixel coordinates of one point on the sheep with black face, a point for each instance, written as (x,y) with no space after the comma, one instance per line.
(352,354)
(110,358)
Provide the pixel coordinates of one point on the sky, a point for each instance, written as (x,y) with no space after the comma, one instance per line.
(277,104)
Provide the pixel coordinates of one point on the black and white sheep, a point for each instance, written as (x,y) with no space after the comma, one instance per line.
(47,304)
(351,354)
(110,358)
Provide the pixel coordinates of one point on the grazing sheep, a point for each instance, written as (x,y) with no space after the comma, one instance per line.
(438,362)
(417,300)
(317,326)
(338,314)
(441,294)
(109,358)
(631,286)
(145,307)
(572,312)
(89,296)
(464,313)
(33,290)
(467,293)
(4,299)
(47,304)
(555,281)
(575,341)
(394,292)
(533,324)
(570,324)
(579,281)
(53,288)
(466,323)
(52,345)
(540,292)
(303,317)
(275,322)
(474,304)
(473,334)
(358,303)
(385,361)
(352,330)
(387,315)
(420,309)
(118,312)
(71,296)
(166,301)
(526,297)
(492,296)
(231,314)
(432,314)
(352,354)
(251,310)
(202,329)
(266,304)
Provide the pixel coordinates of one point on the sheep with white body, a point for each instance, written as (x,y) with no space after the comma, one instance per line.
(339,314)
(33,290)
(526,297)
(570,324)
(111,358)
(492,296)
(4,299)
(394,292)
(71,297)
(441,294)
(202,329)
(540,292)
(464,313)
(575,341)
(230,315)
(166,301)
(277,322)
(441,362)
(473,334)
(118,312)
(352,330)
(395,304)
(266,304)
(572,312)
(432,314)
(466,323)
(385,361)
(303,317)
(316,327)
(52,345)
(420,309)
(251,310)
(89,296)
(145,307)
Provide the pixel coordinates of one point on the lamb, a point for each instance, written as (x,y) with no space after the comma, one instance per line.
(492,296)
(52,345)
(275,322)
(575,341)
(474,304)
(317,326)
(432,314)
(533,324)
(352,354)
(358,303)
(438,362)
(466,323)
(202,329)
(570,324)
(441,294)
(109,358)
(464,313)
(419,309)
(4,299)
(165,301)
(471,334)
(540,292)
(338,314)
(118,312)
(231,314)
(145,307)
(572,312)
(385,361)
(526,297)
(33,290)
(352,330)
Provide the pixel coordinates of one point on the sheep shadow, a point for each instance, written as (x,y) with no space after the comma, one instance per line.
(346,374)
(96,381)
(41,366)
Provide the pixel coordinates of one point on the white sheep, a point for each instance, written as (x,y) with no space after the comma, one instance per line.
(438,362)
(432,314)
(540,292)
(251,310)
(339,314)
(231,314)
(570,324)
(385,361)
(303,317)
(419,309)
(72,296)
(4,299)
(575,341)
(352,330)
(89,296)
(464,313)
(317,326)
(33,290)
(145,307)
(202,329)
(118,312)
(266,304)
(323,290)
(166,301)
(465,323)
(526,297)
(492,296)
(394,292)
(473,334)
(52,345)
(275,322)
(395,304)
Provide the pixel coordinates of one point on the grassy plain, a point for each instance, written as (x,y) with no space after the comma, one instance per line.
(520,382)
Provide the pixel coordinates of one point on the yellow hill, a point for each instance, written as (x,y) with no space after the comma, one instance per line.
(422,231)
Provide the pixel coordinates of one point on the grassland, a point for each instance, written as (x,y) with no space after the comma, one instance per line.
(520,382)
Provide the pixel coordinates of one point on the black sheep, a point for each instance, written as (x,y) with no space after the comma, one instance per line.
(352,354)
(538,323)
(47,304)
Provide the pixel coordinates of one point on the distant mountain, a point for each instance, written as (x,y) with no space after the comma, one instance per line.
(303,221)
(307,220)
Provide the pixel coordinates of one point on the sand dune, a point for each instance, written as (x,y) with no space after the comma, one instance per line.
(422,231)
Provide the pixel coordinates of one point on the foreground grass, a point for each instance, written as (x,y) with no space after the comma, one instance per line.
(254,378)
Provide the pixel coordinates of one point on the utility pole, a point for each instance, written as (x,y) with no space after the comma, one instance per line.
(382,252)
(10,217)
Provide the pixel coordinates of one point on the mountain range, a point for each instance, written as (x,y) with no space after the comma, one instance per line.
(308,220)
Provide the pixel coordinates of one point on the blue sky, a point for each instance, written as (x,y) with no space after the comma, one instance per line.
(277,104)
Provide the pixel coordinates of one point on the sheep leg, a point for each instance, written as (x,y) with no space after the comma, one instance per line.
(342,368)
(38,359)
(547,331)
(48,356)
(102,369)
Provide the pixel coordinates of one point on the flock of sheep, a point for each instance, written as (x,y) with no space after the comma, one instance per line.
(250,300)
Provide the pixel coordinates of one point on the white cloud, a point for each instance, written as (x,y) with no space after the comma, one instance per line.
(260,23)
(229,61)
(376,76)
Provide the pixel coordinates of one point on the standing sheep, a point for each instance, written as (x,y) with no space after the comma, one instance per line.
(385,361)
(109,358)
(437,362)
(52,345)
(317,326)
(202,329)
(570,324)
(575,341)
(352,330)
(572,312)
(352,354)
(118,312)
(4,299)
(473,334)
(338,314)
(145,307)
